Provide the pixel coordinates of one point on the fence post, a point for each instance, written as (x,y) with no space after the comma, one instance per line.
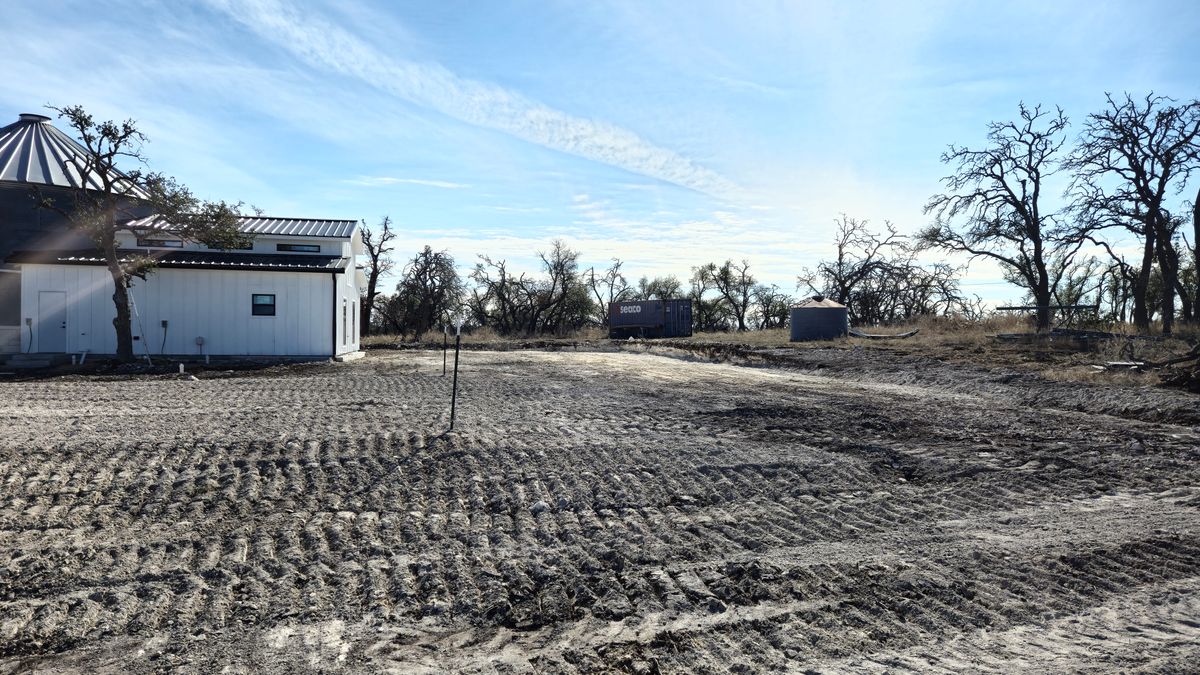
(454,387)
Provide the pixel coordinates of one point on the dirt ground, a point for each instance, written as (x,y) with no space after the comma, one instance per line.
(641,510)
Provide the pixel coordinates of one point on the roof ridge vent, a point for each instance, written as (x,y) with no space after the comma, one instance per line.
(33,117)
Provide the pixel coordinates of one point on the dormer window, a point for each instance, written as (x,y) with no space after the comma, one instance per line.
(299,248)
(159,243)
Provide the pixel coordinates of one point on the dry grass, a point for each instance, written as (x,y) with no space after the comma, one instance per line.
(949,339)
(946,339)
(934,332)
(480,336)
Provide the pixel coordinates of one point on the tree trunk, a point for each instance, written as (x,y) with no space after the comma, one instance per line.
(1043,312)
(123,321)
(1186,302)
(368,305)
(1121,299)
(1042,298)
(1141,286)
(1196,257)
(1168,265)
(1041,290)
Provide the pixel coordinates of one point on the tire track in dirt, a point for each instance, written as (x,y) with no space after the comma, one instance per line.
(745,517)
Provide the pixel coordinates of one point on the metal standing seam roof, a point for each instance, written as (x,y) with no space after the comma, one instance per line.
(298,227)
(33,151)
(193,259)
(286,227)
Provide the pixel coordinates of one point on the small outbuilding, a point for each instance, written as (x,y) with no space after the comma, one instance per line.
(819,318)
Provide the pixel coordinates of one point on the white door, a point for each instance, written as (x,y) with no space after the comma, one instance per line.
(52,321)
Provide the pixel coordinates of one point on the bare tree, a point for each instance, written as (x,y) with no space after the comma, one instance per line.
(379,264)
(860,254)
(1119,279)
(1131,158)
(510,303)
(1186,288)
(659,288)
(708,314)
(998,191)
(906,290)
(429,292)
(1188,280)
(609,287)
(1196,235)
(771,306)
(1195,266)
(879,278)
(496,300)
(144,203)
(1081,282)
(735,285)
(546,299)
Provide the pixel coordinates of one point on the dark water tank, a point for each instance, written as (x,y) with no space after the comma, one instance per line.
(819,318)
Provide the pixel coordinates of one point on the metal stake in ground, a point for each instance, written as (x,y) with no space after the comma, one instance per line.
(445,345)
(454,387)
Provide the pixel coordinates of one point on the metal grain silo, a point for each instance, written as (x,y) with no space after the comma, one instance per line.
(819,318)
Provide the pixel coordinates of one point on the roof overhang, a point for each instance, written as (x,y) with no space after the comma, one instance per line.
(210,260)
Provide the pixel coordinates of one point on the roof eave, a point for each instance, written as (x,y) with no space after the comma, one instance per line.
(333,264)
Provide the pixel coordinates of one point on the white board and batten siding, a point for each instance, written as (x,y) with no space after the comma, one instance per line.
(213,304)
(347,318)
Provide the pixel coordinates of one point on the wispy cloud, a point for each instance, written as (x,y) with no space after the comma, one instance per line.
(377,181)
(326,45)
(749,85)
(521,209)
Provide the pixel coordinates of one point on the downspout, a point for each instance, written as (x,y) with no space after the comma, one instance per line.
(333,316)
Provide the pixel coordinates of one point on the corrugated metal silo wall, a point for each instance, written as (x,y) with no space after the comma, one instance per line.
(24,226)
(819,323)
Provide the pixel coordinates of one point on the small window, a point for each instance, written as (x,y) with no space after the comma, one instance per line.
(262,305)
(299,248)
(244,247)
(159,243)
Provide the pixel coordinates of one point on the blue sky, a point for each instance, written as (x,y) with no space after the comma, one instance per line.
(668,134)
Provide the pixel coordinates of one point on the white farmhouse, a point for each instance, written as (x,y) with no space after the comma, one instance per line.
(294,292)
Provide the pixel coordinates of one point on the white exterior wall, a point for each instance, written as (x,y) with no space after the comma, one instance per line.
(213,304)
(10,304)
(348,300)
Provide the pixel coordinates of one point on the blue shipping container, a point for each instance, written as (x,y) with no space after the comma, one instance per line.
(650,318)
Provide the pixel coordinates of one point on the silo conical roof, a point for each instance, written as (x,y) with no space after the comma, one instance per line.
(819,301)
(33,151)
